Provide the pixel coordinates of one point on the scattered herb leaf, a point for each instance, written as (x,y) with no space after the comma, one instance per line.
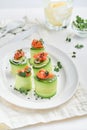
(79,46)
(56,69)
(58,66)
(23,30)
(64,27)
(22,90)
(73,56)
(68,39)
(74,52)
(15,89)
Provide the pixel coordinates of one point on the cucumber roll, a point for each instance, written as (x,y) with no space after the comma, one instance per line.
(19,61)
(41,60)
(45,84)
(37,47)
(23,81)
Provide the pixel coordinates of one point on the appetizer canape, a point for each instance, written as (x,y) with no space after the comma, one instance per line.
(19,61)
(41,60)
(37,46)
(23,81)
(45,84)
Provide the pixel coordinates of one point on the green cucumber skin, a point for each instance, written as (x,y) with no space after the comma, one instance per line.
(23,82)
(47,67)
(15,68)
(46,80)
(35,51)
(47,96)
(45,89)
(11,62)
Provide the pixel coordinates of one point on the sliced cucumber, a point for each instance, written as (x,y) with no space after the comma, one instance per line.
(45,88)
(47,65)
(34,51)
(21,60)
(50,80)
(24,83)
(42,64)
(18,62)
(16,66)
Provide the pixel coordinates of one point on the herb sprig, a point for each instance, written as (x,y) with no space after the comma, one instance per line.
(22,90)
(74,54)
(68,39)
(79,46)
(58,66)
(41,40)
(80,23)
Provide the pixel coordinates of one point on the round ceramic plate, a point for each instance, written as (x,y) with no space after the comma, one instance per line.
(67,79)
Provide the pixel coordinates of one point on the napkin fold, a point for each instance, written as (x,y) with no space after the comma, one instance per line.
(16,117)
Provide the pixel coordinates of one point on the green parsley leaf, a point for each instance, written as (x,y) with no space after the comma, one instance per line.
(56,69)
(79,46)
(58,66)
(23,74)
(80,23)
(68,39)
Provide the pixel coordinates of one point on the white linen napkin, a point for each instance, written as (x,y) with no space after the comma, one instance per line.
(15,117)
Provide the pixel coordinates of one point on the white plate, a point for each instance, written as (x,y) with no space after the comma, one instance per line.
(67,79)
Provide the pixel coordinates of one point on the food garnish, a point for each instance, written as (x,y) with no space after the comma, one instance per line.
(68,39)
(58,66)
(79,46)
(80,23)
(19,53)
(25,72)
(74,54)
(44,74)
(37,43)
(40,57)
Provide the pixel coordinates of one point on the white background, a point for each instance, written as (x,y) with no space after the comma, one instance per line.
(9,4)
